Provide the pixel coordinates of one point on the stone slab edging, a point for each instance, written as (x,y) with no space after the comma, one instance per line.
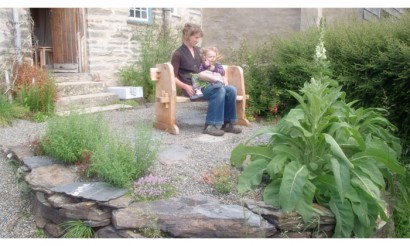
(60,195)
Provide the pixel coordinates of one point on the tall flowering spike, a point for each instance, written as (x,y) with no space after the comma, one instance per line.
(320,54)
(322,64)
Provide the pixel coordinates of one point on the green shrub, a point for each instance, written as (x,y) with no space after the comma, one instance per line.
(10,111)
(401,197)
(326,151)
(120,162)
(115,162)
(157,46)
(274,67)
(88,141)
(68,137)
(371,61)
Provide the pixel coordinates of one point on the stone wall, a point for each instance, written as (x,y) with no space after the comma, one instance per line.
(60,195)
(110,38)
(8,50)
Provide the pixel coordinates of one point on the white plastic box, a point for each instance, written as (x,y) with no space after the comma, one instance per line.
(127,92)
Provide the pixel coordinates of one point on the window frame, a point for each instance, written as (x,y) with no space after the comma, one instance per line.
(175,12)
(133,19)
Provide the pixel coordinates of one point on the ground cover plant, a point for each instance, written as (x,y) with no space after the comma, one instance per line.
(10,111)
(327,151)
(77,229)
(222,178)
(152,187)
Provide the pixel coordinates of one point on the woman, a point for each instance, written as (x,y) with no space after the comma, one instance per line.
(221,99)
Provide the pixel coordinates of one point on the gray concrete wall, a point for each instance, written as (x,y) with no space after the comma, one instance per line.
(227,27)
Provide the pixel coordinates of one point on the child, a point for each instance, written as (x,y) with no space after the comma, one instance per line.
(211,69)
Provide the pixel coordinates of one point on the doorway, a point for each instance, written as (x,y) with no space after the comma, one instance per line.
(59,39)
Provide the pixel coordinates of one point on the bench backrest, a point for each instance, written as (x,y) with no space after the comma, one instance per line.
(163,74)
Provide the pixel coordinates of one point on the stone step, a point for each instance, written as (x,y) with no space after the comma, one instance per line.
(95,109)
(72,77)
(66,89)
(85,101)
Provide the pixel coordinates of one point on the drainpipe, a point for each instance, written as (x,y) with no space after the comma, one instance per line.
(166,18)
(17,40)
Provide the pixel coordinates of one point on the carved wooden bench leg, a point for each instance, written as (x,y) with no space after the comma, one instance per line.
(165,102)
(235,78)
(240,113)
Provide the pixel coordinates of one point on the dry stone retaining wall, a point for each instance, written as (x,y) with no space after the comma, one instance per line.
(60,196)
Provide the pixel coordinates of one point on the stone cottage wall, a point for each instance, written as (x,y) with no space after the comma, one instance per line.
(8,50)
(110,38)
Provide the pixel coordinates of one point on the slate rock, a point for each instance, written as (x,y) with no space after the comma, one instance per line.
(98,191)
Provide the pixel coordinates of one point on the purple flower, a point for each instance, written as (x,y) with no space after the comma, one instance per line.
(151,187)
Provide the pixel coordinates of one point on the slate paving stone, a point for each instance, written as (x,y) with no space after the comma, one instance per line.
(194,118)
(38,161)
(173,153)
(98,191)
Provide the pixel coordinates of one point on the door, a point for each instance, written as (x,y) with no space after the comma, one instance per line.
(67,34)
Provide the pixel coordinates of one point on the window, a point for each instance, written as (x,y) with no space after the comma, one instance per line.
(174,12)
(140,15)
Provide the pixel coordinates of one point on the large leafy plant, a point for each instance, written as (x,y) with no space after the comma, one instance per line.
(325,151)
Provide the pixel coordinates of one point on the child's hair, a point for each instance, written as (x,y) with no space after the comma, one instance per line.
(191,29)
(205,51)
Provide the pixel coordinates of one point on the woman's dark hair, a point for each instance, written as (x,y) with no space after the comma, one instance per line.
(191,29)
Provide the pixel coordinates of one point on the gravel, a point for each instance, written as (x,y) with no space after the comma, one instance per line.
(187,174)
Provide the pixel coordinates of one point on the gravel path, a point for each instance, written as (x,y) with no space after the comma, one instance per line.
(187,174)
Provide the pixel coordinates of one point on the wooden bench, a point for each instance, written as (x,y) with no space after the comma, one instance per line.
(166,96)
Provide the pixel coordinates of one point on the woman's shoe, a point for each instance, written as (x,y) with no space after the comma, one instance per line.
(229,127)
(213,131)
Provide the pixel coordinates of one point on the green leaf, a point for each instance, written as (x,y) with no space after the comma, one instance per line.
(271,193)
(327,181)
(293,118)
(276,165)
(252,175)
(240,152)
(359,206)
(304,206)
(384,156)
(366,185)
(291,189)
(300,100)
(342,176)
(344,217)
(358,137)
(371,170)
(337,151)
(292,154)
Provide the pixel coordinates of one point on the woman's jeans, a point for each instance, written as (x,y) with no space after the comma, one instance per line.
(221,103)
